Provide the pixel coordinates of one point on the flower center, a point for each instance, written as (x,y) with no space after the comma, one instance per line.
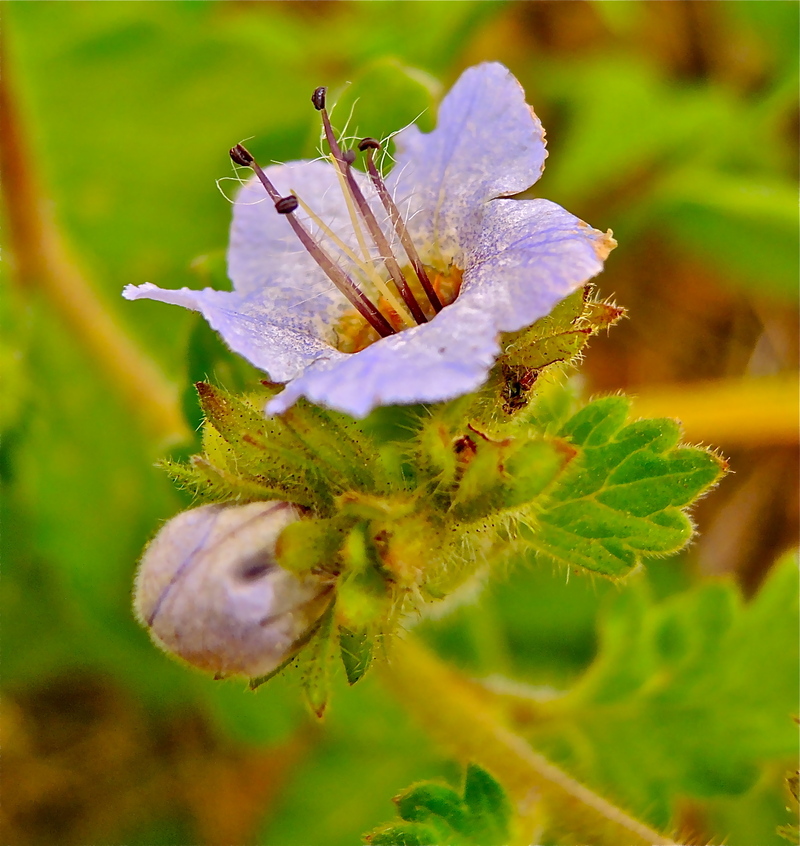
(388,294)
(353,333)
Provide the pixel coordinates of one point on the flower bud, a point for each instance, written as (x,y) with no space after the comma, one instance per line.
(210,590)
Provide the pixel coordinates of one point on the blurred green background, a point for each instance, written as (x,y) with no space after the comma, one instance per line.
(675,124)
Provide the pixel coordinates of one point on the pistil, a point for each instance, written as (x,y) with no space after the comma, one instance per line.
(344,162)
(287,206)
(367,146)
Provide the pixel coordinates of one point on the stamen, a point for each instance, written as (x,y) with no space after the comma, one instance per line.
(357,224)
(367,146)
(343,162)
(340,279)
(286,205)
(318,98)
(365,267)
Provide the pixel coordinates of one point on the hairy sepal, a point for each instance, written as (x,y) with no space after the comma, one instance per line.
(552,343)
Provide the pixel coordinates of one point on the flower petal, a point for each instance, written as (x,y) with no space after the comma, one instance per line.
(281,344)
(529,255)
(487,143)
(281,315)
(440,360)
(264,252)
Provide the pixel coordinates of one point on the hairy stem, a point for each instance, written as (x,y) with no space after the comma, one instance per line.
(42,260)
(455,713)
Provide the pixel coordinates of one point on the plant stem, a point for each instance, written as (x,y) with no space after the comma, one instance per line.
(747,411)
(455,713)
(43,260)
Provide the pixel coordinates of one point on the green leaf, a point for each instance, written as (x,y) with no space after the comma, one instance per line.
(489,807)
(621,498)
(405,834)
(436,814)
(736,222)
(690,696)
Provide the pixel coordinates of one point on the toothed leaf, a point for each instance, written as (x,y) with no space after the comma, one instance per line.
(481,816)
(686,697)
(621,498)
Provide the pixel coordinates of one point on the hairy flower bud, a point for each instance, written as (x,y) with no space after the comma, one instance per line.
(210,590)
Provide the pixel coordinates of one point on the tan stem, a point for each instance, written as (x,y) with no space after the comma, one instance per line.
(453,711)
(43,260)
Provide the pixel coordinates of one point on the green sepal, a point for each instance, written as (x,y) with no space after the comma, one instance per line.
(310,544)
(622,497)
(308,455)
(362,593)
(357,651)
(556,339)
(212,483)
(505,475)
(317,663)
(295,651)
(561,335)
(339,442)
(242,443)
(440,441)
(256,682)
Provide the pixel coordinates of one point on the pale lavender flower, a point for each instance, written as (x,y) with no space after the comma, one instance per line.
(496,264)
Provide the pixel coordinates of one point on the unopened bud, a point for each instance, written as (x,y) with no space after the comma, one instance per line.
(210,590)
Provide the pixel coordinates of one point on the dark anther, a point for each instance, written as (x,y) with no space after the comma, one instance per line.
(286,205)
(241,156)
(349,156)
(318,98)
(369,144)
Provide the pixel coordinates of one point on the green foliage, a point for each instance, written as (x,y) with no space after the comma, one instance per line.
(383,97)
(436,814)
(622,498)
(685,697)
(709,168)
